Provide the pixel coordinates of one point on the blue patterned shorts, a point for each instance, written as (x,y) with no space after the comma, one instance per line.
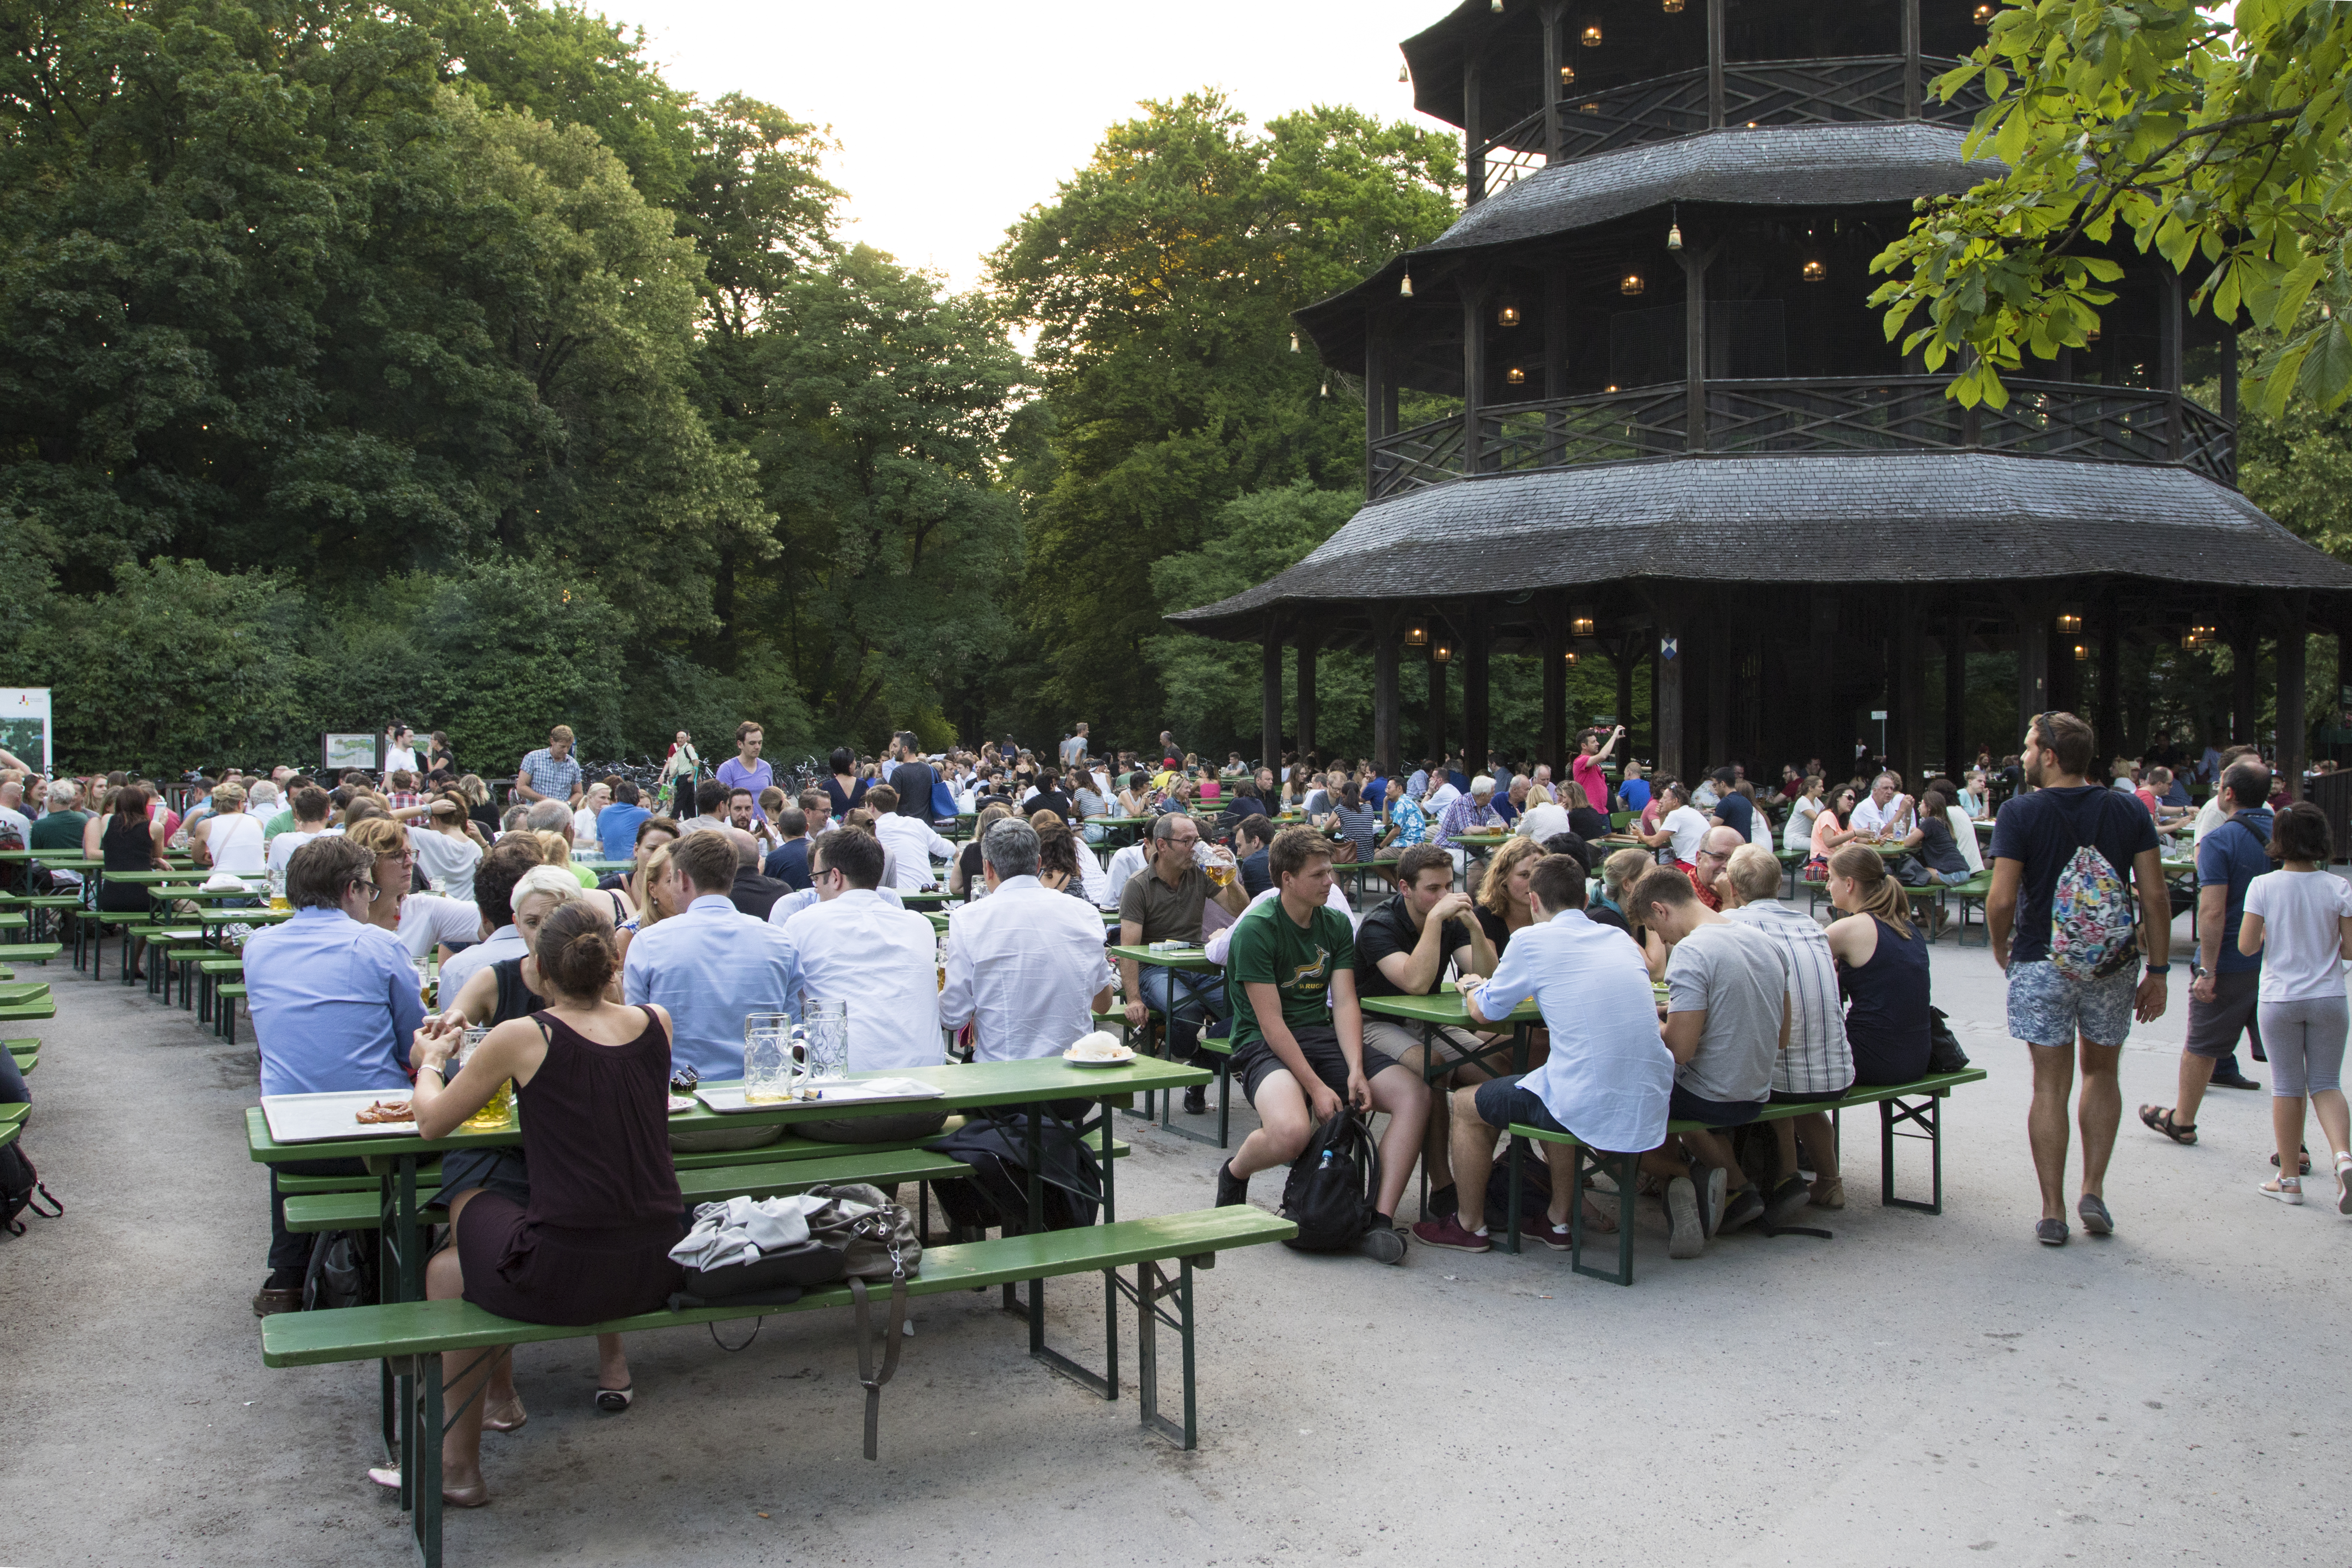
(2045,1008)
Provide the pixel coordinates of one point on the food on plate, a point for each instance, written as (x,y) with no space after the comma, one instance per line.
(382,1111)
(1099,1047)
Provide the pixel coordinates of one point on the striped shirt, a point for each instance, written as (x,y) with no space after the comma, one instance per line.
(1818,1060)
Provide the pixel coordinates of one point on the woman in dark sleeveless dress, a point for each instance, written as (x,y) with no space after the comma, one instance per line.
(1882,958)
(130,840)
(594,1240)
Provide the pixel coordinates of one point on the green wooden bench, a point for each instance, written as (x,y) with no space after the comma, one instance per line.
(1916,1103)
(361,1209)
(213,970)
(35,1012)
(45,909)
(25,1053)
(31,952)
(15,992)
(225,1001)
(14,1113)
(412,1337)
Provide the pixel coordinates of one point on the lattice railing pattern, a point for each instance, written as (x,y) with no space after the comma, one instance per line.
(1658,109)
(1809,92)
(2042,419)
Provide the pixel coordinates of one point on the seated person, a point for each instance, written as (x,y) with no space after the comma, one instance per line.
(1300,1056)
(1609,1076)
(1882,958)
(1402,948)
(709,964)
(588,1236)
(1501,908)
(1164,904)
(496,992)
(1931,841)
(1252,836)
(1727,1022)
(1816,1064)
(788,862)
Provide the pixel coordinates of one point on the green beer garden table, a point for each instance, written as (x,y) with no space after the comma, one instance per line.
(1191,959)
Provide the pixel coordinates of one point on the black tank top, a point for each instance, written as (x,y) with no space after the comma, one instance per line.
(595,1128)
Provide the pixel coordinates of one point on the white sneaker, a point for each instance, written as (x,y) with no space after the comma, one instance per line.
(2344,1183)
(1686,1237)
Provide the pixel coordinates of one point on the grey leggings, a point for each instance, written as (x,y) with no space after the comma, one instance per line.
(2308,1050)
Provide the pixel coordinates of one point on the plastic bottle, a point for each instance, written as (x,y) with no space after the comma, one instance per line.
(1327,1161)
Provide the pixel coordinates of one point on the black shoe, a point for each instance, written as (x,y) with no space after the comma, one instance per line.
(1196,1100)
(1231,1189)
(2235,1081)
(1442,1200)
(1787,1201)
(1744,1206)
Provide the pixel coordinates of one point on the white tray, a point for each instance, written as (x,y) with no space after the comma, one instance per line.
(727,1097)
(317,1118)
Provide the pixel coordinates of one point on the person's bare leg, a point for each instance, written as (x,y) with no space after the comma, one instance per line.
(1283,1127)
(2327,1107)
(2046,1124)
(2098,1109)
(1785,1134)
(2287,1130)
(612,1363)
(1477,1142)
(2196,1076)
(1820,1142)
(1434,1156)
(1405,1098)
(1716,1150)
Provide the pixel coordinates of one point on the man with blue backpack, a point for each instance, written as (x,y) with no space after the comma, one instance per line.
(2077,892)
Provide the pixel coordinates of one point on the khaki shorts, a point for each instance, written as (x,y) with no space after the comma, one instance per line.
(1397,1037)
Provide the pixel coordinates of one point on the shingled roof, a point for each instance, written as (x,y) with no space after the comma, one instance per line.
(1886,517)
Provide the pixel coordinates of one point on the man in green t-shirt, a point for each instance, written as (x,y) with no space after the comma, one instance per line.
(1298,1036)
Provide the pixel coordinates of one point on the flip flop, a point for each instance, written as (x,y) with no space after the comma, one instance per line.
(2159,1119)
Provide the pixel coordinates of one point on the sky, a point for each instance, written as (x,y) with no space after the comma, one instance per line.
(954,118)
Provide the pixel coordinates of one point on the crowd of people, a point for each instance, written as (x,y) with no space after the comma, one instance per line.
(1673,983)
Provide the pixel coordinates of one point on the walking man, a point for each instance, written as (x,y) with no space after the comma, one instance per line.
(2074,984)
(2224,981)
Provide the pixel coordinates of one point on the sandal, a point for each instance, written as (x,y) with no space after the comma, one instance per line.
(2286,1189)
(2305,1169)
(496,1418)
(612,1401)
(2159,1119)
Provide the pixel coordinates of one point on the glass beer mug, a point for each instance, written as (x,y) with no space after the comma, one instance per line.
(824,1047)
(767,1057)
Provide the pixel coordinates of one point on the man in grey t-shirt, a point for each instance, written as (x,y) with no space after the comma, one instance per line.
(1726,1024)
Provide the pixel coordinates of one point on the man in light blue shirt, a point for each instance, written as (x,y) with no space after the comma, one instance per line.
(334,1005)
(1609,1076)
(710,964)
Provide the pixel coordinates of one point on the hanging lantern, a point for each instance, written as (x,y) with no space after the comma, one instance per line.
(1572,658)
(1670,8)
(1568,76)
(1507,314)
(1294,343)
(1674,237)
(2082,652)
(1495,7)
(2091,335)
(1580,625)
(1588,108)
(1405,289)
(1983,15)
(1404,73)
(1415,637)
(1631,283)
(1439,654)
(1592,35)
(2070,623)
(1814,270)
(1515,376)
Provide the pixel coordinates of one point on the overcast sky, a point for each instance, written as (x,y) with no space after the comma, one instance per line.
(954,118)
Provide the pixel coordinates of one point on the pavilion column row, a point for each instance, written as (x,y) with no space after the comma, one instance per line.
(1713,661)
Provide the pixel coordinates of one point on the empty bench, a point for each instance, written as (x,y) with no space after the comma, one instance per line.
(1916,1104)
(412,1337)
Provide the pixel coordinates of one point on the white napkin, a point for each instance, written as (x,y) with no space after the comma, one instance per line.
(742,1229)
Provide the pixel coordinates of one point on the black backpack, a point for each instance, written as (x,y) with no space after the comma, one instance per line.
(1329,1193)
(20,1189)
(343,1272)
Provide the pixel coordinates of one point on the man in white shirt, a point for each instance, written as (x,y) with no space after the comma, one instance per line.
(310,805)
(1683,826)
(494,885)
(882,961)
(1025,966)
(709,807)
(400,755)
(909,841)
(1886,814)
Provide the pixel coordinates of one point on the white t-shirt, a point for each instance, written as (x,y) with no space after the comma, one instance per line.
(233,841)
(1689,828)
(448,857)
(2302,944)
(282,848)
(1798,834)
(426,919)
(399,759)
(1870,820)
(1540,822)
(584,830)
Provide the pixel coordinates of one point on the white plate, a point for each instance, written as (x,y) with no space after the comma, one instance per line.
(316,1118)
(725,1098)
(678,1103)
(1120,1061)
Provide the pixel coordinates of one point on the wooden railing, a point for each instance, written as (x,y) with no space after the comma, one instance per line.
(1755,92)
(1852,414)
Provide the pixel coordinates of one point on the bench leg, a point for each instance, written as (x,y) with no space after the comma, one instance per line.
(1926,1114)
(420,1467)
(1621,1169)
(1153,1287)
(1518,1166)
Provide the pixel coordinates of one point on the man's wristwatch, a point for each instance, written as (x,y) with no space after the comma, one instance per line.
(2196,971)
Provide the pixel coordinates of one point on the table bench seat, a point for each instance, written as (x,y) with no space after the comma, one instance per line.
(413,1336)
(361,1209)
(1893,1103)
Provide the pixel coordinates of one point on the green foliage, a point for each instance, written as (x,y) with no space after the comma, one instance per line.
(1160,281)
(2215,139)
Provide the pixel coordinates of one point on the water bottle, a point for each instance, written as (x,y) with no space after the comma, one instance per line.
(1327,1161)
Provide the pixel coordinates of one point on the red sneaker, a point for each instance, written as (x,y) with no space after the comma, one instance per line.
(1447,1232)
(1541,1230)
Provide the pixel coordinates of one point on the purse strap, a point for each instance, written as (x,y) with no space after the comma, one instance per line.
(895,1333)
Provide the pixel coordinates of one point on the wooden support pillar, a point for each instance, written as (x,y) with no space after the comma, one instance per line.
(1473,373)
(1476,649)
(1555,352)
(2032,616)
(1474,133)
(1551,746)
(1957,754)
(1693,265)
(2246,663)
(1387,708)
(1715,657)
(1625,653)
(1666,709)
(1270,698)
(2293,730)
(1910,694)
(2170,328)
(1715,51)
(1308,645)
(1547,88)
(1913,93)
(1377,407)
(1434,719)
(1821,664)
(2111,679)
(2229,395)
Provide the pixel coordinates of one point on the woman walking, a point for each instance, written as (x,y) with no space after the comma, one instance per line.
(2300,920)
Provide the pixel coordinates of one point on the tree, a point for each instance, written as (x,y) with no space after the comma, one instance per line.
(2215,139)
(1160,281)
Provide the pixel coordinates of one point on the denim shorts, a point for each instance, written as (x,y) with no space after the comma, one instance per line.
(2045,1008)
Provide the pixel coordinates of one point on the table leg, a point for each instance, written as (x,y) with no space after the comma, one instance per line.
(1037,1227)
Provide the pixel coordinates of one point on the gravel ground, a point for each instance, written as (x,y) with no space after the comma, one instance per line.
(1919,1390)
